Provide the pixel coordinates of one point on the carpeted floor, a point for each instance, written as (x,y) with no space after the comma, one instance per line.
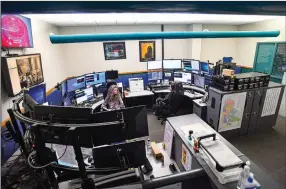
(266,149)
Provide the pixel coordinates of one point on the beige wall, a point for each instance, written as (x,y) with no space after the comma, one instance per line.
(52,60)
(215,49)
(176,48)
(246,46)
(90,56)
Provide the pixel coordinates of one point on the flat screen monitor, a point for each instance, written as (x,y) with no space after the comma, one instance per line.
(88,92)
(38,93)
(64,88)
(183,77)
(152,76)
(107,156)
(154,65)
(172,64)
(169,75)
(199,81)
(21,71)
(75,83)
(204,67)
(195,65)
(81,99)
(16,31)
(111,74)
(95,78)
(187,77)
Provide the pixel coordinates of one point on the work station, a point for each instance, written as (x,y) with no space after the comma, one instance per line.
(131,100)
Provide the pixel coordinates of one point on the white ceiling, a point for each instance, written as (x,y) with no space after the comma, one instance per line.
(145,18)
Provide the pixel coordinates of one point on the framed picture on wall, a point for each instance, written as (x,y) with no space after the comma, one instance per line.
(114,50)
(147,51)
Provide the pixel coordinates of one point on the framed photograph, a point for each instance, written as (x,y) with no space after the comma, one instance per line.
(114,50)
(147,51)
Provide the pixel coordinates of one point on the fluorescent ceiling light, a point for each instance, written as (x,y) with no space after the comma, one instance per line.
(146,18)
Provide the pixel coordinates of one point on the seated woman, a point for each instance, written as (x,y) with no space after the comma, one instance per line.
(113,100)
(170,104)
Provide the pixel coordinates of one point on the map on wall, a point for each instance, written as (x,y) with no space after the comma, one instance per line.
(232,107)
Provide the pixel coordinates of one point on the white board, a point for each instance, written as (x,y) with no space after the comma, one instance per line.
(168,138)
(231,113)
(270,102)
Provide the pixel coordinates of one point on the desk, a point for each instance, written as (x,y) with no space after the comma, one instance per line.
(192,87)
(161,91)
(176,122)
(193,96)
(200,109)
(139,98)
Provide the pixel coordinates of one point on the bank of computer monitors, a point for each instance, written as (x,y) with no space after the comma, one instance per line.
(184,77)
(172,64)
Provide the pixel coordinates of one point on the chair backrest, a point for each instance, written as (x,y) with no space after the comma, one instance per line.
(175,102)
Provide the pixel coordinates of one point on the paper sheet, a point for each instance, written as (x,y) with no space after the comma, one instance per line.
(198,130)
(186,158)
(232,108)
(168,138)
(221,153)
(270,102)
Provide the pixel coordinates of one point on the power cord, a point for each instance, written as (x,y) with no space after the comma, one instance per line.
(40,167)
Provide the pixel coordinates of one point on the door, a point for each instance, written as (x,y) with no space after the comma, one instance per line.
(264,57)
(247,112)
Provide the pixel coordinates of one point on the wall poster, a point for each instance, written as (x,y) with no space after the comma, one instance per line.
(147,51)
(114,50)
(232,107)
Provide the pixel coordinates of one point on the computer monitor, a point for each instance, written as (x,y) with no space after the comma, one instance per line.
(172,64)
(169,75)
(195,65)
(75,83)
(178,76)
(184,77)
(112,155)
(111,74)
(63,88)
(204,67)
(187,65)
(154,65)
(81,99)
(89,93)
(199,81)
(156,75)
(38,93)
(187,77)
(95,78)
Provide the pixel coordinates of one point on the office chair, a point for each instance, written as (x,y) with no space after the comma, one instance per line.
(174,103)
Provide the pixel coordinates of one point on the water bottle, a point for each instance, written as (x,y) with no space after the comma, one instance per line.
(149,148)
(243,174)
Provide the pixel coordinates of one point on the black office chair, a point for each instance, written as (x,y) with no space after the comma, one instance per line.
(174,103)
